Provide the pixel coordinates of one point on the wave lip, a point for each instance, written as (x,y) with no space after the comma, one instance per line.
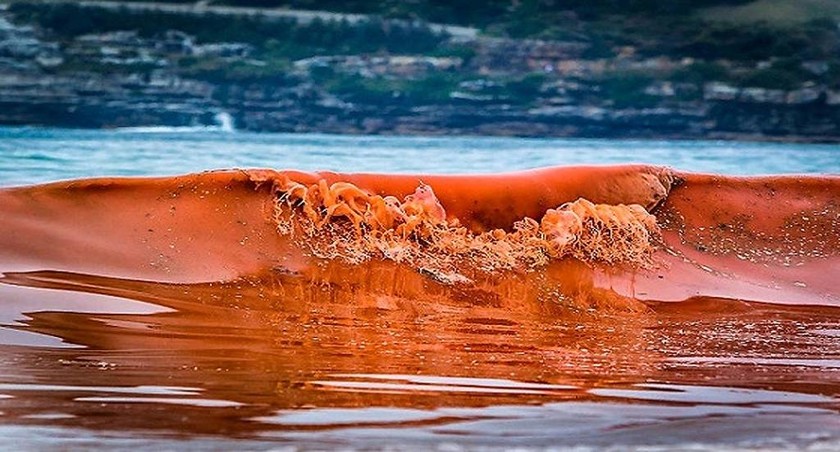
(517,236)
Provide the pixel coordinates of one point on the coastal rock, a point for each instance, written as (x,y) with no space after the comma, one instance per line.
(501,86)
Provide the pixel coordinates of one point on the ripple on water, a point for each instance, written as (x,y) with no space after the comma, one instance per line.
(569,424)
(170,393)
(709,395)
(204,403)
(421,383)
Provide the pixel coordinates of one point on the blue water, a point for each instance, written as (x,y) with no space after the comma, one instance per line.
(32,155)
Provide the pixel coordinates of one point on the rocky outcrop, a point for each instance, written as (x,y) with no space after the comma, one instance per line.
(120,78)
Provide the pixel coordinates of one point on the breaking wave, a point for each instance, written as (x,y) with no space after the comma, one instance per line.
(342,221)
(578,236)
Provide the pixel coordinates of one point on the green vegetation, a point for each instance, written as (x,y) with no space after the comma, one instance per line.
(701,72)
(431,89)
(738,30)
(283,35)
(627,89)
(676,28)
(277,42)
(76,64)
(784,13)
(833,75)
(751,47)
(817,39)
(783,74)
(275,72)
(487,12)
(525,89)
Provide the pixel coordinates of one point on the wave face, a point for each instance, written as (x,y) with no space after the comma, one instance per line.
(609,237)
(599,307)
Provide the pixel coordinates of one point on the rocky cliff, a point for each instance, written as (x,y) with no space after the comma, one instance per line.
(463,85)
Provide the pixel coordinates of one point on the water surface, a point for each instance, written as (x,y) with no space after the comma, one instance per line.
(92,360)
(29,155)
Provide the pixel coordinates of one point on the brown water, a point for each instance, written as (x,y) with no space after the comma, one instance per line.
(171,313)
(262,363)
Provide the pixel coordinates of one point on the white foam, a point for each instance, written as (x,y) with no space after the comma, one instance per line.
(224,123)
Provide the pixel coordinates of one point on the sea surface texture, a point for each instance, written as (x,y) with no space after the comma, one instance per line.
(265,291)
(32,155)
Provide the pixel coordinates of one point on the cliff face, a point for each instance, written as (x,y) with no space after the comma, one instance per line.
(488,86)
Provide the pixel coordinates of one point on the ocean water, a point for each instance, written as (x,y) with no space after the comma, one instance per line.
(92,361)
(31,155)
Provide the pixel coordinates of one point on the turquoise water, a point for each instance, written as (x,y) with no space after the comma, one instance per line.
(32,155)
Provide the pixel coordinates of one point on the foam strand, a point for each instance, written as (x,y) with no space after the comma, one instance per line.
(342,221)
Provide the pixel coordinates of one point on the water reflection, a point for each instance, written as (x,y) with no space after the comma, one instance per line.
(285,357)
(570,423)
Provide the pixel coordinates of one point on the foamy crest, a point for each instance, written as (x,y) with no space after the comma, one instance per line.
(342,221)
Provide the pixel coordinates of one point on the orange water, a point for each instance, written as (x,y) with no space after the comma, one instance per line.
(270,362)
(172,313)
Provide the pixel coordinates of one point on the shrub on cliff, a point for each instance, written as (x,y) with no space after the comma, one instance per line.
(66,20)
